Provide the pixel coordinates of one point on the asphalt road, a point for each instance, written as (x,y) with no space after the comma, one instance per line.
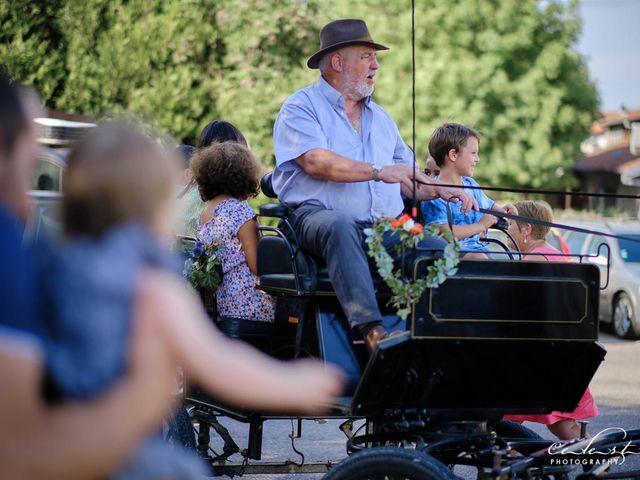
(616,389)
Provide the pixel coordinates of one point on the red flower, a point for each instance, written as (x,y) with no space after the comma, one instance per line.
(404,219)
(416,229)
(394,223)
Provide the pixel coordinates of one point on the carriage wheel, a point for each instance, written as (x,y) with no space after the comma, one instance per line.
(180,429)
(390,463)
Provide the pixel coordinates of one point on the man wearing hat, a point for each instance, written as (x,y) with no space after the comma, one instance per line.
(341,165)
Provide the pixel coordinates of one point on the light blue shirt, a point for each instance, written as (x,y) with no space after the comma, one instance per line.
(435,212)
(314,117)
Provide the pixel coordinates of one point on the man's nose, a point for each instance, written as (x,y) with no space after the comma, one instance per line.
(374,64)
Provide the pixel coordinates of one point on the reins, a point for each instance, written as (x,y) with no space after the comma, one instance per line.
(540,192)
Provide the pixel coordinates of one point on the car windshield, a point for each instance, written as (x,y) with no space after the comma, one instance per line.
(630,251)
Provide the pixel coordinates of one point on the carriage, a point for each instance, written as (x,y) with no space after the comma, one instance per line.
(523,341)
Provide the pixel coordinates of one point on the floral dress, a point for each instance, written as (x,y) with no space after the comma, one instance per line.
(237,295)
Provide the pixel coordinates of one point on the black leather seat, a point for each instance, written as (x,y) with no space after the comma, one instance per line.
(285,269)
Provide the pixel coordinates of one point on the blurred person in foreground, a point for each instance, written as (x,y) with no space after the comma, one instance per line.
(117,229)
(71,440)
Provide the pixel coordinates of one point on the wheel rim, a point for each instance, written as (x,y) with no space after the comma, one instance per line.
(622,316)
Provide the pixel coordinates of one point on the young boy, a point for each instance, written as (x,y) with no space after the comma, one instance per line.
(454,149)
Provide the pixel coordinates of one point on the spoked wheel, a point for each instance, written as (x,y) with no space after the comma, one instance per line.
(390,463)
(180,429)
(624,319)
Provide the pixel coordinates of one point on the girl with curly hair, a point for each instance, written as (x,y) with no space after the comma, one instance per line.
(227,174)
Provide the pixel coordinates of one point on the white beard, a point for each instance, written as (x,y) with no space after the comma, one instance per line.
(357,90)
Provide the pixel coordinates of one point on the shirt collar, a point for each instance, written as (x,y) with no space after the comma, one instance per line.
(334,97)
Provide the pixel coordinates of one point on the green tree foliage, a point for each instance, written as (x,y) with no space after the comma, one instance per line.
(32,44)
(178,65)
(507,67)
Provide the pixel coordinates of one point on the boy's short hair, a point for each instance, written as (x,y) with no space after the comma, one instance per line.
(449,136)
(538,210)
(226,168)
(115,174)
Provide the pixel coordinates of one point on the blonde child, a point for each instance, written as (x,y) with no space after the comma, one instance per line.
(118,203)
(530,239)
(454,148)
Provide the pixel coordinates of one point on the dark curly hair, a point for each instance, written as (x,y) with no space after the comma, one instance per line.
(226,168)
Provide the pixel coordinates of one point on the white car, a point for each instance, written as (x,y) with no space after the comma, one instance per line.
(620,300)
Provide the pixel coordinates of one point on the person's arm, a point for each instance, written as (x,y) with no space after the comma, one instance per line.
(84,439)
(324,164)
(231,370)
(464,231)
(248,236)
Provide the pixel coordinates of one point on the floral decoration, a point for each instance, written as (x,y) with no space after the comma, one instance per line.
(202,267)
(405,291)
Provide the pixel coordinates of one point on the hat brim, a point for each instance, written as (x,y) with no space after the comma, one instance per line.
(314,60)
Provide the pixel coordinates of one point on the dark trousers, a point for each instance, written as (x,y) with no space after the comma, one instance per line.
(338,239)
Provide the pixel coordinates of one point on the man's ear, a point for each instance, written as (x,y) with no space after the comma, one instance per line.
(336,62)
(452,154)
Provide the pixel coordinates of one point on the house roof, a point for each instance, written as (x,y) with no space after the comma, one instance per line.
(609,119)
(614,159)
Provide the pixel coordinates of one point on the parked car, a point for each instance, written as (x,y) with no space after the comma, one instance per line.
(45,218)
(620,300)
(55,137)
(555,239)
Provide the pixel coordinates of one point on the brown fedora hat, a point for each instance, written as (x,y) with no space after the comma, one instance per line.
(342,33)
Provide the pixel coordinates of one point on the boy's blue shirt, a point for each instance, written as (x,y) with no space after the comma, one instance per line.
(435,212)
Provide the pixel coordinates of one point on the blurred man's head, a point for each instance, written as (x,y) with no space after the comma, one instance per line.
(18,147)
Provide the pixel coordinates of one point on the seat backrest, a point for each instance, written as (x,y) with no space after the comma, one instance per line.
(266,185)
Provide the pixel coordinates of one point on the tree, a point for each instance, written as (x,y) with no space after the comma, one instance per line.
(32,45)
(178,65)
(507,67)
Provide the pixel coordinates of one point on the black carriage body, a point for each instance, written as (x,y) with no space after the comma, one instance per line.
(497,337)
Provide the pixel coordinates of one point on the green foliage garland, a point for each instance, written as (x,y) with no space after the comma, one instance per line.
(406,292)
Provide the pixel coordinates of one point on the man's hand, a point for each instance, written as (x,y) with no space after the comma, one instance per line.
(468,203)
(403,174)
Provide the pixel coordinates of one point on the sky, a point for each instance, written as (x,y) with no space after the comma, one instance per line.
(610,42)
